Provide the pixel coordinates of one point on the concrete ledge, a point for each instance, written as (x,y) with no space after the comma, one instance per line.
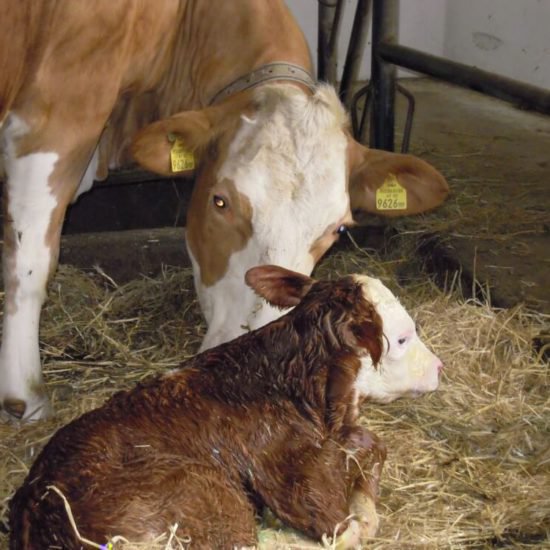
(124,255)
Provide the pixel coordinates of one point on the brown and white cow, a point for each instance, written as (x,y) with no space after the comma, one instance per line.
(278,174)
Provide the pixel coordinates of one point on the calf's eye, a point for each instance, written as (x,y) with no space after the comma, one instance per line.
(401,341)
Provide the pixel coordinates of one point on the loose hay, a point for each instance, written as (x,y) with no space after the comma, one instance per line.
(468,466)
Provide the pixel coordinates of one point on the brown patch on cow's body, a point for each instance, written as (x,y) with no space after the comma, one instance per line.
(144,63)
(227,229)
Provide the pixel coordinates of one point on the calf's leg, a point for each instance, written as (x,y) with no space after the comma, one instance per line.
(309,489)
(139,502)
(211,511)
(371,455)
(331,490)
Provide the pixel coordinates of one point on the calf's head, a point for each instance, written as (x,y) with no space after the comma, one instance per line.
(276,172)
(407,367)
(402,366)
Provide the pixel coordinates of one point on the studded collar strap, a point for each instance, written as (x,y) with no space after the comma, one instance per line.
(271,71)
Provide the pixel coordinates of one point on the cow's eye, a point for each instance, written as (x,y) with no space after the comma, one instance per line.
(342,229)
(402,341)
(219,201)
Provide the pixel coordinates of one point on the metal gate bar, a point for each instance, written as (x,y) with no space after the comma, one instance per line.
(386,54)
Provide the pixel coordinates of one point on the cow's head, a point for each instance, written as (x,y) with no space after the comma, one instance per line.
(407,367)
(277,180)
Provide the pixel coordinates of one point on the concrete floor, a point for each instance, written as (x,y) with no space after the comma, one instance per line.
(496,224)
(495,227)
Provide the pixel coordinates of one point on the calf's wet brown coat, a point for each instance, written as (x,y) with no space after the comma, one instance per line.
(267,419)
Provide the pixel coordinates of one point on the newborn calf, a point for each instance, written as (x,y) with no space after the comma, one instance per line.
(268,419)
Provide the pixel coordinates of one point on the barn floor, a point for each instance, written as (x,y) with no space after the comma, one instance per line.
(496,225)
(494,228)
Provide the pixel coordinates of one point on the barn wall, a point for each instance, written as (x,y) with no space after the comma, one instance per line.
(504,36)
(508,37)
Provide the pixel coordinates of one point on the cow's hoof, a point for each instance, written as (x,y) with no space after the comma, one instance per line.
(15,407)
(17,410)
(364,510)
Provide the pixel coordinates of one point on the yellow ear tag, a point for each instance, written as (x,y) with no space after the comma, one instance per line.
(391,195)
(181,159)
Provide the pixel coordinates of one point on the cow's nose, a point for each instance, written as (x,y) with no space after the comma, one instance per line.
(439,368)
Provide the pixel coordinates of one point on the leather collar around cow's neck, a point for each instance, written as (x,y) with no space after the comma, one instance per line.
(271,71)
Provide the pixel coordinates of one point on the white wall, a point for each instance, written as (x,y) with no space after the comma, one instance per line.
(508,37)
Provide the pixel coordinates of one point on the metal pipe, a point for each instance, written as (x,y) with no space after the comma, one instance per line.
(466,76)
(385,17)
(356,46)
(409,118)
(330,16)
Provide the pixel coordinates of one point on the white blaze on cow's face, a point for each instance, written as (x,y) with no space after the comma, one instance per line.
(407,367)
(280,196)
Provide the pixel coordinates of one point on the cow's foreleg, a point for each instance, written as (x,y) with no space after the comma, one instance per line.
(40,183)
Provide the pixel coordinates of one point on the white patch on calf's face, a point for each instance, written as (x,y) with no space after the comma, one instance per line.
(407,367)
(290,164)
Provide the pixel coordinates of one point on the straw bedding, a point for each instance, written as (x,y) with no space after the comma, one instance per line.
(468,466)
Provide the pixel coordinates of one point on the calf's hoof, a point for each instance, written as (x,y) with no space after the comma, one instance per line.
(363,526)
(270,520)
(350,538)
(363,509)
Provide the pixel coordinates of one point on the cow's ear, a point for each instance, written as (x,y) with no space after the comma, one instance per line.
(172,145)
(279,286)
(156,146)
(392,184)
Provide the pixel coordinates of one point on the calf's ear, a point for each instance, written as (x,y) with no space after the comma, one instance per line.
(392,184)
(368,331)
(279,286)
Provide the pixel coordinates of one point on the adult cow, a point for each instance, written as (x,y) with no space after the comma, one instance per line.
(276,167)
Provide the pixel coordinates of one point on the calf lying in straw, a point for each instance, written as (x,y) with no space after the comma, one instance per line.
(268,419)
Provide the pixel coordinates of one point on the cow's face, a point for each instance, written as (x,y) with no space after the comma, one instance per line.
(277,194)
(407,367)
(273,187)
